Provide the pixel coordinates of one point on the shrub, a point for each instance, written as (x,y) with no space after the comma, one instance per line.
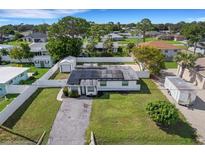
(163,113)
(73,94)
(65,91)
(22,82)
(35,73)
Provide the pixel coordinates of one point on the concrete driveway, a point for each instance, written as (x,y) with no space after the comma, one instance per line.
(195,115)
(71,122)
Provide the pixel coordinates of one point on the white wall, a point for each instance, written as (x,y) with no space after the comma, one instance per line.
(50,72)
(143,74)
(104,59)
(16,89)
(51,83)
(117,86)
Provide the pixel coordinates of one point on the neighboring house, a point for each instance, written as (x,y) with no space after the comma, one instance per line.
(101,47)
(200,48)
(5,57)
(113,36)
(165,37)
(36,37)
(196,75)
(41,56)
(168,50)
(11,75)
(179,38)
(91,80)
(152,34)
(68,64)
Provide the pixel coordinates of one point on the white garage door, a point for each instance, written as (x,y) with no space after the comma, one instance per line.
(65,68)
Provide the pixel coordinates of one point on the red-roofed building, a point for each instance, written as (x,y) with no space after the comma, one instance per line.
(168,50)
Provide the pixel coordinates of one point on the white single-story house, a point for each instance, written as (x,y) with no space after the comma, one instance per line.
(167,49)
(200,48)
(11,75)
(113,36)
(182,92)
(41,56)
(101,47)
(36,37)
(68,64)
(91,80)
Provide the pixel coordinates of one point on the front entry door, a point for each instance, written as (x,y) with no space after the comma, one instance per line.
(42,63)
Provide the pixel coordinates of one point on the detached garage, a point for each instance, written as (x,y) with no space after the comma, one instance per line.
(67,65)
(181,91)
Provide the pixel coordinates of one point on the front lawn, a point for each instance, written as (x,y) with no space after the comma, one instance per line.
(129,40)
(170,64)
(33,118)
(7,100)
(121,118)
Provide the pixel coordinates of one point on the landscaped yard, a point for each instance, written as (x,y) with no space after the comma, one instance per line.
(33,118)
(40,71)
(170,64)
(7,100)
(60,76)
(15,43)
(129,40)
(120,118)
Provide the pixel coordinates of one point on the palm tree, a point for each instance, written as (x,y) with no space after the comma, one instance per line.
(185,60)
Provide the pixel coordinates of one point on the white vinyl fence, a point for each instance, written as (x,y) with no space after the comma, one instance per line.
(16,103)
(16,89)
(50,72)
(104,59)
(50,83)
(143,74)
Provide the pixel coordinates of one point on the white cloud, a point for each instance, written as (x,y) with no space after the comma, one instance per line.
(196,19)
(42,14)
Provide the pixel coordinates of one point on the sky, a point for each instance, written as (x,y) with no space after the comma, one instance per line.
(100,16)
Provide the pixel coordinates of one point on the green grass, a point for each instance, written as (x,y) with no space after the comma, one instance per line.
(60,76)
(41,71)
(174,42)
(33,117)
(130,40)
(170,64)
(15,43)
(118,118)
(7,100)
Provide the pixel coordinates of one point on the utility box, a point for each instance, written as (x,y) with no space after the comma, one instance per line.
(183,93)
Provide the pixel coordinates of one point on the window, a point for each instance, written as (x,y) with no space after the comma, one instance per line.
(137,82)
(103,83)
(90,89)
(175,50)
(46,62)
(1,89)
(125,83)
(166,51)
(36,61)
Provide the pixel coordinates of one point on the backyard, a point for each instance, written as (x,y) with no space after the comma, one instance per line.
(7,100)
(170,64)
(34,117)
(38,72)
(60,76)
(121,118)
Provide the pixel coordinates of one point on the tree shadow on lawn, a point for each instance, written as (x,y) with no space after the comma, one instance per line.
(16,116)
(182,129)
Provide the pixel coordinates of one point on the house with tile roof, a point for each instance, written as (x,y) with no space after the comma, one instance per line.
(167,49)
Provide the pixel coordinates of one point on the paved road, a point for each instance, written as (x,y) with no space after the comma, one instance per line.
(71,122)
(194,115)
